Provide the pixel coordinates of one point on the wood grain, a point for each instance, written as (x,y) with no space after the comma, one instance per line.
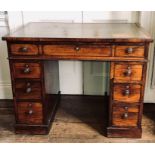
(27,89)
(125,46)
(121,51)
(30,49)
(119,93)
(118,116)
(24,116)
(79,50)
(121,70)
(35,70)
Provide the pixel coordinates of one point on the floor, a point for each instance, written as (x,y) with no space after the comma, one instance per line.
(75,122)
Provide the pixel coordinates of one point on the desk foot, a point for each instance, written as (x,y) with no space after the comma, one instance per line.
(31,129)
(118,132)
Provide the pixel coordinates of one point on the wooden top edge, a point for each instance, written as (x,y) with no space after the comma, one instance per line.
(96,32)
(132,40)
(79,58)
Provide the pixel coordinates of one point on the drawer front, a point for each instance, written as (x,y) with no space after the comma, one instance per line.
(129,51)
(125,116)
(24,49)
(95,51)
(29,113)
(27,90)
(27,70)
(76,50)
(127,92)
(128,72)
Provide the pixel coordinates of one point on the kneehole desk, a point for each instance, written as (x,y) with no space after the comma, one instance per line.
(124,46)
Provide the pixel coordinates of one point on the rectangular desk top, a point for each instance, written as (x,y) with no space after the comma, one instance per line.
(48,31)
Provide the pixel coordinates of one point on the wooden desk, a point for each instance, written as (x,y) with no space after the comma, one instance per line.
(125,46)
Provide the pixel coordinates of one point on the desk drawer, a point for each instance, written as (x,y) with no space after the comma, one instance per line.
(81,50)
(129,51)
(125,116)
(128,72)
(27,70)
(127,92)
(24,49)
(27,89)
(29,113)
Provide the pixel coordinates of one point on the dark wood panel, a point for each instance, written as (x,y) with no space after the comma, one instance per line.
(122,132)
(27,89)
(24,49)
(31,129)
(127,92)
(80,57)
(129,51)
(128,72)
(29,112)
(27,70)
(87,50)
(125,116)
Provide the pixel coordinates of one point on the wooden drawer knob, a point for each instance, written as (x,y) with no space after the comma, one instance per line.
(30,112)
(23,49)
(77,48)
(128,71)
(26,69)
(28,84)
(127,91)
(28,90)
(28,87)
(126,108)
(125,115)
(30,105)
(129,50)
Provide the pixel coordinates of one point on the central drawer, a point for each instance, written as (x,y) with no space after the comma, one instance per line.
(80,50)
(127,92)
(27,89)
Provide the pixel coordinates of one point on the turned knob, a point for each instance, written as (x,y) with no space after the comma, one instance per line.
(23,49)
(125,116)
(30,112)
(27,69)
(127,91)
(129,50)
(28,90)
(28,84)
(30,105)
(77,48)
(128,71)
(126,108)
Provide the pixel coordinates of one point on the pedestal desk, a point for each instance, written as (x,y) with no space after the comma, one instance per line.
(124,46)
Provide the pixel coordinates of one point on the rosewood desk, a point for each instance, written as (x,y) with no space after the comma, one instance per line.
(124,46)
